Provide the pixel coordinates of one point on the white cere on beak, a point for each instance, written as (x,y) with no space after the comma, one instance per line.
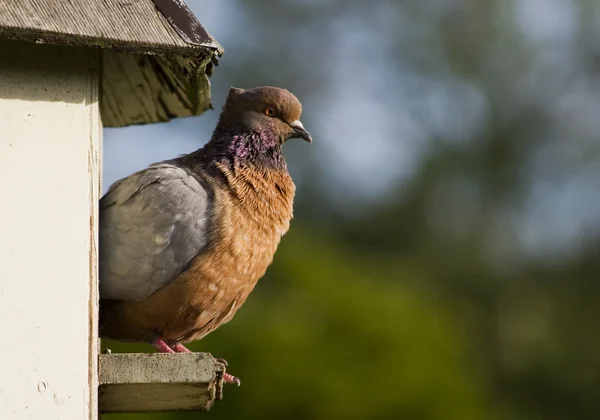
(297,124)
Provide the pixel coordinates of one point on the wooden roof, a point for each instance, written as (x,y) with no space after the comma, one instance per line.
(157,57)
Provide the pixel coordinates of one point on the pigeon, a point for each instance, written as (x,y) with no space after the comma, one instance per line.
(183,242)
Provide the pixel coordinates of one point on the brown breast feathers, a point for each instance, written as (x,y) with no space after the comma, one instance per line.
(254,211)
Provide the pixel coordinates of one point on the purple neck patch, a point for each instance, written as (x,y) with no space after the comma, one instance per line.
(259,148)
(245,145)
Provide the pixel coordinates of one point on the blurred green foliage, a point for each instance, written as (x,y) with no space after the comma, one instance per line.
(467,289)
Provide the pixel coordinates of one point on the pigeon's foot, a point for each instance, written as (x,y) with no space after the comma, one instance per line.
(162,347)
(180,348)
(230,379)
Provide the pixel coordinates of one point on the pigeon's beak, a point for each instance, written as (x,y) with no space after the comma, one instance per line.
(300,132)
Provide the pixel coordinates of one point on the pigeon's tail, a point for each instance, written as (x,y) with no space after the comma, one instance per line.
(112,323)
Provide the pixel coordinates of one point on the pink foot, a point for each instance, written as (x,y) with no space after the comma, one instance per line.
(180,348)
(161,346)
(230,379)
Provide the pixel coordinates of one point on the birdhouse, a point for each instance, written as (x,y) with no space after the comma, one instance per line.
(68,68)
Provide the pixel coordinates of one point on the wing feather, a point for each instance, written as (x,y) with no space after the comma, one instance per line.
(152,224)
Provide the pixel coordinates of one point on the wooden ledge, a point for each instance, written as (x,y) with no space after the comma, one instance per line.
(140,382)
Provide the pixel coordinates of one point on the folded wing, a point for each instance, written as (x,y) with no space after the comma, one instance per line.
(152,224)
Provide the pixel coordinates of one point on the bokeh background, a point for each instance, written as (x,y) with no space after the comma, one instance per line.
(443,262)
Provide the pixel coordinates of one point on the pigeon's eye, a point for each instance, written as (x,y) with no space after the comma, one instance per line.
(270,111)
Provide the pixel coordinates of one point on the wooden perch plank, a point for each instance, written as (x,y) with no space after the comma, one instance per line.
(138,382)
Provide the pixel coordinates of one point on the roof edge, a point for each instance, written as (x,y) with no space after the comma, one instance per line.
(48,37)
(183,21)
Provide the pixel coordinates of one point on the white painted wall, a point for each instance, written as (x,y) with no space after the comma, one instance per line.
(50,140)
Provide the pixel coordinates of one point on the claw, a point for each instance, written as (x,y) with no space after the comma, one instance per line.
(230,379)
(222,361)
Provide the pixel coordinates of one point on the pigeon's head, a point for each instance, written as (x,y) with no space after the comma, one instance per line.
(268,111)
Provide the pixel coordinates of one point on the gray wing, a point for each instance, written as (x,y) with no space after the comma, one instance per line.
(152,224)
